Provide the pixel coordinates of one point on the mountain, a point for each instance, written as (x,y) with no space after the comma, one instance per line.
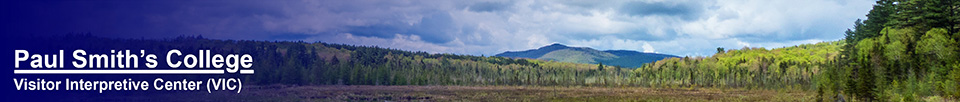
(563,53)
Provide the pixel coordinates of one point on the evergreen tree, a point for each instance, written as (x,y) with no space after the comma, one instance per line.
(877,19)
(865,78)
(600,66)
(720,50)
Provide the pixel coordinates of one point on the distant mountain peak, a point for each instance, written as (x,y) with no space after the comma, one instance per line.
(554,46)
(564,53)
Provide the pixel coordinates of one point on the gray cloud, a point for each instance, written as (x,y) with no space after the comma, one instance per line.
(469,27)
(687,11)
(488,6)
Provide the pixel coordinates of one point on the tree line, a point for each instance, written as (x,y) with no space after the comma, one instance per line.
(906,51)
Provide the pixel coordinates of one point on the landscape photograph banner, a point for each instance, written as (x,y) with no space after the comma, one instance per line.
(480,50)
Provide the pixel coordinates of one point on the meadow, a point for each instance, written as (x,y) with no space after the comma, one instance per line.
(497,94)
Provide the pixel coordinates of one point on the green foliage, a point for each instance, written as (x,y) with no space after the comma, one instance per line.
(782,68)
(908,64)
(865,78)
(952,84)
(936,47)
(600,66)
(720,50)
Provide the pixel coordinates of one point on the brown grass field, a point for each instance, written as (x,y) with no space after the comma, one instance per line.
(494,94)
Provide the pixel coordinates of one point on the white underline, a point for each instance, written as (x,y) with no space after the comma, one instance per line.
(182,71)
(246,71)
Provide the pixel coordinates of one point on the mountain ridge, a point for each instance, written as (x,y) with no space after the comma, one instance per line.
(564,53)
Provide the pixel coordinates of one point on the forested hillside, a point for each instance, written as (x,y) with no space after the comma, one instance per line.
(906,50)
(317,63)
(302,63)
(789,67)
(335,64)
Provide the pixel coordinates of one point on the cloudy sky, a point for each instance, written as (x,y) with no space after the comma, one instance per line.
(474,27)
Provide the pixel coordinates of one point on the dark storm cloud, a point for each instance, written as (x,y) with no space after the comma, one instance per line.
(687,11)
(434,28)
(135,19)
(488,6)
(635,34)
(469,27)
